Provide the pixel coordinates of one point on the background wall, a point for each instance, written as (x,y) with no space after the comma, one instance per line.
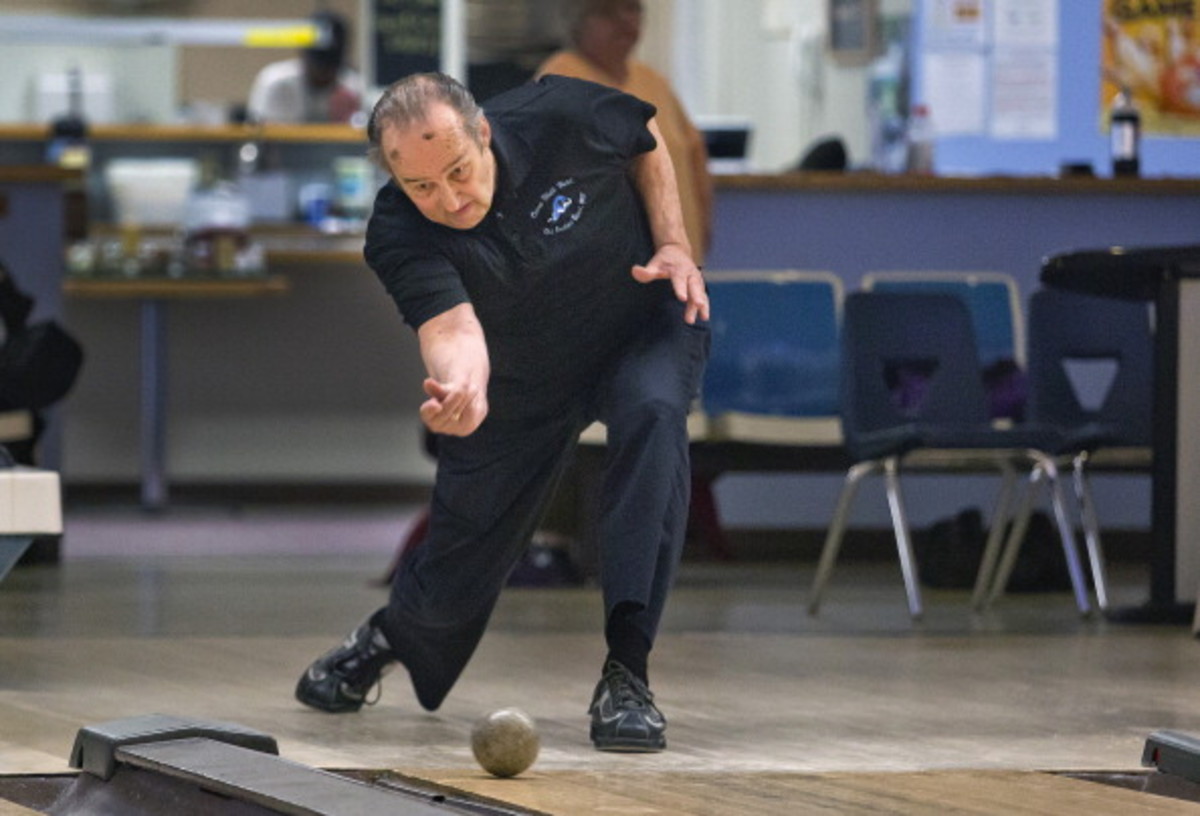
(320,385)
(1080,123)
(765,60)
(154,82)
(761,59)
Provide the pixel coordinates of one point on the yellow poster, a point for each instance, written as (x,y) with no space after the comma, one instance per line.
(1152,47)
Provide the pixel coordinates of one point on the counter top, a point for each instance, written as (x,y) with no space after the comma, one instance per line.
(314,134)
(163,288)
(36,174)
(865,182)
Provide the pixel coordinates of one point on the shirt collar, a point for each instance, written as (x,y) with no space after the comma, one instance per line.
(514,158)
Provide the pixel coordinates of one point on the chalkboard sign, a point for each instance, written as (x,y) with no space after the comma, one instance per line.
(853,31)
(408,36)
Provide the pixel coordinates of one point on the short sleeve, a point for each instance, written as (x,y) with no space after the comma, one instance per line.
(612,117)
(422,283)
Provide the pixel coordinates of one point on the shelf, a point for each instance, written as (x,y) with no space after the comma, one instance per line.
(277,133)
(175,288)
(37,174)
(867,182)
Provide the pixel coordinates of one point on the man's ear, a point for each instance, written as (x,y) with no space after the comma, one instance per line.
(485,132)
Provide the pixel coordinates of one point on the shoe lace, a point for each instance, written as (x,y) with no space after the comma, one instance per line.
(365,661)
(627,691)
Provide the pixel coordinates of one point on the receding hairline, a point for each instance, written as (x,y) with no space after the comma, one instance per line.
(411,102)
(427,129)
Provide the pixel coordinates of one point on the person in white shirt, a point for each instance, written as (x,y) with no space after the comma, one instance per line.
(316,86)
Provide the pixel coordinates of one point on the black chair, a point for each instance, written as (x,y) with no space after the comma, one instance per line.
(912,397)
(1091,374)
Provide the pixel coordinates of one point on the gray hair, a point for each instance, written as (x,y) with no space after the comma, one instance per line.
(407,102)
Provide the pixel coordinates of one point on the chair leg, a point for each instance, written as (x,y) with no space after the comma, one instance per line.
(837,529)
(908,560)
(1067,533)
(1016,536)
(1091,528)
(991,550)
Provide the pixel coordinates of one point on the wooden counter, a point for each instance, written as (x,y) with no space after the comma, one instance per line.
(175,289)
(37,174)
(311,134)
(855,223)
(874,183)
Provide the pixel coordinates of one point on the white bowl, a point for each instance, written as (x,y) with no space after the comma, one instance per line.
(151,192)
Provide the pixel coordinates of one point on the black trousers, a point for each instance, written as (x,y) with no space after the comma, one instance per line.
(493,486)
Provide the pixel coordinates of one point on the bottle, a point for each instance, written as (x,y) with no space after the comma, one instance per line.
(1124,134)
(68,145)
(885,112)
(919,158)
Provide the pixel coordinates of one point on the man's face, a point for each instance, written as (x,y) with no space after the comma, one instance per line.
(448,176)
(319,72)
(615,24)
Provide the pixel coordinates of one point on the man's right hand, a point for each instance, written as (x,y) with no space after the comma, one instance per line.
(456,360)
(453,410)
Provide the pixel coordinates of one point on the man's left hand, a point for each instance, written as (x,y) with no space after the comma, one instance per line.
(672,262)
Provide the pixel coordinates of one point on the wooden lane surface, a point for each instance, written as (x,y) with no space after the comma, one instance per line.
(13,809)
(946,793)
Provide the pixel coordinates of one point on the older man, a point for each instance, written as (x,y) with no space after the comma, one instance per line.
(539,252)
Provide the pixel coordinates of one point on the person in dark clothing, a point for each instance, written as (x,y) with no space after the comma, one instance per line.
(39,363)
(537,248)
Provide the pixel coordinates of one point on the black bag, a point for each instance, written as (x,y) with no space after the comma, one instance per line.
(950,551)
(38,366)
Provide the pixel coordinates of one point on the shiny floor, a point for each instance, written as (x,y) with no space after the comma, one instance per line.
(212,613)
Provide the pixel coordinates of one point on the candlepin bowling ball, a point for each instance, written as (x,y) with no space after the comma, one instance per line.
(505,742)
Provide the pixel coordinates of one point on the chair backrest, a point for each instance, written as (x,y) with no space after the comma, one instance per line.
(1091,360)
(775,343)
(993,299)
(908,358)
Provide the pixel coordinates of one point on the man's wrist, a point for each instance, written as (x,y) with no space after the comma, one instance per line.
(682,246)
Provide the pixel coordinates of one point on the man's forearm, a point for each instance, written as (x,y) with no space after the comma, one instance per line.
(453,347)
(654,176)
(455,354)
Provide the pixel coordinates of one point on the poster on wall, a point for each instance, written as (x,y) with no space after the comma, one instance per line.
(1024,83)
(1153,50)
(954,23)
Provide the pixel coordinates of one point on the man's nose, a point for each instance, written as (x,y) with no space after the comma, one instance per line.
(448,197)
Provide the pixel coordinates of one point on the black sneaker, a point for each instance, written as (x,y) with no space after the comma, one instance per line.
(624,717)
(339,680)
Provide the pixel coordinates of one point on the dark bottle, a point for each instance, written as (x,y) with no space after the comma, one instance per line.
(68,132)
(1125,135)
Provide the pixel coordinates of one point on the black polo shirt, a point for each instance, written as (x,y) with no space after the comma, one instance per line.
(548,269)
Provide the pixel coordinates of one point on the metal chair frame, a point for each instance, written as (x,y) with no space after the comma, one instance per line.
(951,432)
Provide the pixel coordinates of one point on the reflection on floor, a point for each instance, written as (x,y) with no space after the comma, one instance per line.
(213,615)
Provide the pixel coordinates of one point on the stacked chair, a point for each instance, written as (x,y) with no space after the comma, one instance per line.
(992,298)
(911,396)
(1091,375)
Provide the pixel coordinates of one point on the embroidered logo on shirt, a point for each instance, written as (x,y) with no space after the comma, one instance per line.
(560,207)
(561,204)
